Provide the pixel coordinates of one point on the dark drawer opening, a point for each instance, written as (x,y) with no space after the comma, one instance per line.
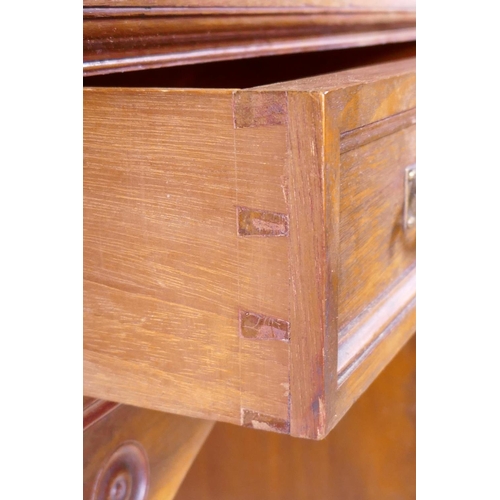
(246,73)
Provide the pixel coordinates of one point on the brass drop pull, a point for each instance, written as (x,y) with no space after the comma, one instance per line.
(410,207)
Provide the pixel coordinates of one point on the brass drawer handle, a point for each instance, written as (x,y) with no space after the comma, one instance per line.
(410,207)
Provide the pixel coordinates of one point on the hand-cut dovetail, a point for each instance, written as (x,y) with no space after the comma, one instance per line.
(257,326)
(259,223)
(259,109)
(257,420)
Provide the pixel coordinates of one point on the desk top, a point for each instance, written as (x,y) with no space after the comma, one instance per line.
(126,35)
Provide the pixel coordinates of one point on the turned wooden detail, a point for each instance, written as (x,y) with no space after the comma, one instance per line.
(125,475)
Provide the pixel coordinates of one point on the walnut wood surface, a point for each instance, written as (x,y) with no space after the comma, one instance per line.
(307,264)
(126,39)
(95,409)
(169,442)
(370,455)
(356,138)
(273,4)
(171,268)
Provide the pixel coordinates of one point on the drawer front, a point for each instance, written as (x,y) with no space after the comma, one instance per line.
(238,243)
(375,249)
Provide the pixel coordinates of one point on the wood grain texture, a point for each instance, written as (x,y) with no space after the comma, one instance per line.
(350,265)
(343,5)
(358,137)
(356,338)
(375,356)
(260,151)
(162,281)
(370,455)
(375,120)
(307,263)
(347,265)
(88,401)
(344,88)
(141,207)
(244,50)
(374,248)
(170,264)
(170,444)
(125,39)
(95,409)
(332,238)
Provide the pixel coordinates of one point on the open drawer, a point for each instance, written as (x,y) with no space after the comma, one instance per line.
(249,255)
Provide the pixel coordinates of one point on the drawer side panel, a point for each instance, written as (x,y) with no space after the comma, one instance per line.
(162,271)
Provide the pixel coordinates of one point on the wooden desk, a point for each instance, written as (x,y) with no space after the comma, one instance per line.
(249,252)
